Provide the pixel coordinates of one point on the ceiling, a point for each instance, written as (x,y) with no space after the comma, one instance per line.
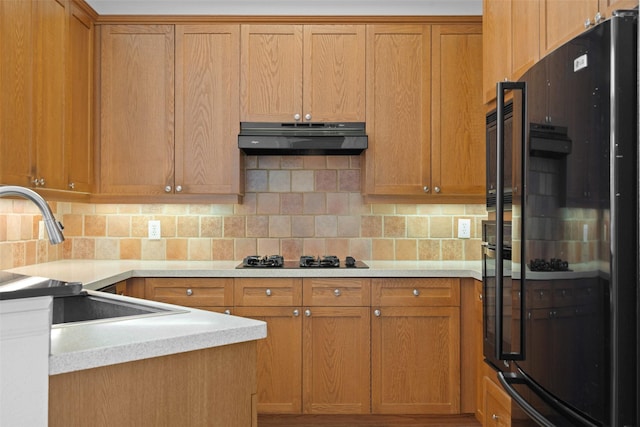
(287,7)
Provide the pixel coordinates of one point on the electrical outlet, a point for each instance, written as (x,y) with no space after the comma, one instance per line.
(154,230)
(40,230)
(464,228)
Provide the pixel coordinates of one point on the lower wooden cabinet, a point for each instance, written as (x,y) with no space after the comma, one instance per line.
(497,405)
(415,339)
(214,294)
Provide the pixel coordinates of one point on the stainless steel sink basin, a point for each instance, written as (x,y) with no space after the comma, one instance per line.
(90,308)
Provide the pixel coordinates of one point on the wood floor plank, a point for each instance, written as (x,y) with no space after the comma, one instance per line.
(267,420)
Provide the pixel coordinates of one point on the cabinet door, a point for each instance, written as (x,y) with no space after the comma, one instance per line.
(560,20)
(79,135)
(16,86)
(271,73)
(207,159)
(398,160)
(457,128)
(334,73)
(525,36)
(497,405)
(415,353)
(279,371)
(496,54)
(49,70)
(336,360)
(137,95)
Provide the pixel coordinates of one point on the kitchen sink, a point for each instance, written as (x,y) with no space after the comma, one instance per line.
(91,308)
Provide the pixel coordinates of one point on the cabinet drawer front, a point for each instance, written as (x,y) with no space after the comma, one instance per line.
(341,292)
(431,292)
(268,292)
(194,292)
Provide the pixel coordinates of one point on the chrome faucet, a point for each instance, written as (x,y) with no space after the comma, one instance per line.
(54,227)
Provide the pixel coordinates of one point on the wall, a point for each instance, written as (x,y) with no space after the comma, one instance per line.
(294,205)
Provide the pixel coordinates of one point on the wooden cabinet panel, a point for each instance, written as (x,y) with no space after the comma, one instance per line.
(405,292)
(79,135)
(192,292)
(497,405)
(398,160)
(525,37)
(496,37)
(343,292)
(268,292)
(336,360)
(279,370)
(137,109)
(207,159)
(334,73)
(271,72)
(416,360)
(560,20)
(457,146)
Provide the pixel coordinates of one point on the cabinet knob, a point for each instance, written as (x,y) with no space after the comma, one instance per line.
(189,292)
(307,313)
(227,311)
(337,292)
(296,117)
(377,313)
(307,116)
(425,188)
(495,417)
(72,185)
(480,297)
(598,18)
(436,189)
(587,23)
(416,292)
(167,189)
(296,313)
(178,188)
(35,182)
(268,292)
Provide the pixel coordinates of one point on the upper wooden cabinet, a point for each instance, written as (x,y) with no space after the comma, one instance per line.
(169,115)
(424,113)
(303,73)
(42,82)
(517,33)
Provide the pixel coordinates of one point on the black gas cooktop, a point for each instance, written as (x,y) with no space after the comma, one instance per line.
(277,261)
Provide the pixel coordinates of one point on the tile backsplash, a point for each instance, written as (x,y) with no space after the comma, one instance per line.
(293,205)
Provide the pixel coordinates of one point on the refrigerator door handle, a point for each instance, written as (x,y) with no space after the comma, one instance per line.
(501,87)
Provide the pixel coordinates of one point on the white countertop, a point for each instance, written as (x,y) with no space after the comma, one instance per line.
(94,344)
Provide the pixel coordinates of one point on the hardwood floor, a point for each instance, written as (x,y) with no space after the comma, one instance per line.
(265,420)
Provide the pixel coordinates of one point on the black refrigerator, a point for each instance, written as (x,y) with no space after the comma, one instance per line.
(561,257)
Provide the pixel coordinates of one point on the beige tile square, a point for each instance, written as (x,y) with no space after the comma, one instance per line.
(222,250)
(291,203)
(349,180)
(383,249)
(371,226)
(199,249)
(349,226)
(395,226)
(302,180)
(291,162)
(188,226)
(258,226)
(314,247)
(257,181)
(280,226)
(248,206)
(84,248)
(291,249)
(140,226)
(314,203)
(107,249)
(338,203)
(339,248)
(268,246)
(417,226)
(326,226)
(269,162)
(326,180)
(315,162)
(118,226)
(406,249)
(452,249)
(177,249)
(472,250)
(360,249)
(234,226)
(130,249)
(167,224)
(338,162)
(302,226)
(441,227)
(429,250)
(73,225)
(243,247)
(279,181)
(268,203)
(153,249)
(211,226)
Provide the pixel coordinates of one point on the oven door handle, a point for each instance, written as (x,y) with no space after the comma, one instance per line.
(501,87)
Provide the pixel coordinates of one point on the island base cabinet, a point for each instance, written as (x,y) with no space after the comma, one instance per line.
(210,387)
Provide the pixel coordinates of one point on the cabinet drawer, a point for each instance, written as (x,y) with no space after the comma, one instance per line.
(339,292)
(432,292)
(268,292)
(193,292)
(497,405)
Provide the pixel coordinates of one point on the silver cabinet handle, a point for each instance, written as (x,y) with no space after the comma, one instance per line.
(437,189)
(72,185)
(377,313)
(416,292)
(227,311)
(296,117)
(307,116)
(587,23)
(178,188)
(189,292)
(425,188)
(296,313)
(268,292)
(35,182)
(167,189)
(307,313)
(495,417)
(41,182)
(337,292)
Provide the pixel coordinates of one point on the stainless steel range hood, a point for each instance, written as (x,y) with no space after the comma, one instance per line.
(302,138)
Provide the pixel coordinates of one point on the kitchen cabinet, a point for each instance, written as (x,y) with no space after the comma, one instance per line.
(419,77)
(415,341)
(335,346)
(169,98)
(213,387)
(214,294)
(303,73)
(43,84)
(276,301)
(497,405)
